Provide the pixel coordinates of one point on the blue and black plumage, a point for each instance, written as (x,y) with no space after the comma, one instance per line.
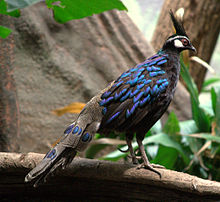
(131,104)
(133,91)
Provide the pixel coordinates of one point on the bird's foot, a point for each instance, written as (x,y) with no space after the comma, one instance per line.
(157,166)
(134,159)
(151,167)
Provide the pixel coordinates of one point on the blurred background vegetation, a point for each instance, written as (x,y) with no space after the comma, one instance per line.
(191,145)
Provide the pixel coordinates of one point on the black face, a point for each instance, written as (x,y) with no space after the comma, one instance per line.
(178,43)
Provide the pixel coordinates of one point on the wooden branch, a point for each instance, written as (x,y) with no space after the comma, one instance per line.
(95,180)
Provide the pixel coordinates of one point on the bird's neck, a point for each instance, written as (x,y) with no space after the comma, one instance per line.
(169,50)
(173,69)
(174,58)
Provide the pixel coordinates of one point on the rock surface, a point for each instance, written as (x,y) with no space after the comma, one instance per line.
(57,64)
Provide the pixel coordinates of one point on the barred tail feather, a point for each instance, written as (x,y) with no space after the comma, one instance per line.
(77,137)
(56,157)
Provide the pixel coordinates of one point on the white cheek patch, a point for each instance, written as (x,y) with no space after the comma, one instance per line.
(178,43)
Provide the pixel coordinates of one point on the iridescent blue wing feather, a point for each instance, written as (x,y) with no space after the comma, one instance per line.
(134,90)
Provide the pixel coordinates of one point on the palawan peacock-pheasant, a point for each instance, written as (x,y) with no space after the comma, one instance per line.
(131,104)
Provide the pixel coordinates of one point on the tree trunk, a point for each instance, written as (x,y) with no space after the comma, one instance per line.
(9,111)
(202,24)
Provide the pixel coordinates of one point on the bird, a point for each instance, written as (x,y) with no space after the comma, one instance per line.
(131,105)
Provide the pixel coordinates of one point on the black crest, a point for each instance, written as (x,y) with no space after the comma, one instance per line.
(178,25)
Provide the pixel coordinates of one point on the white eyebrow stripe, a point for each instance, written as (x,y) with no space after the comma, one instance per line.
(178,44)
(177,37)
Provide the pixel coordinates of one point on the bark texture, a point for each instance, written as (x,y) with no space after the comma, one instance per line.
(202,24)
(93,180)
(9,110)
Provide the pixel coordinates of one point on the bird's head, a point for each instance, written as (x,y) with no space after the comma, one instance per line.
(180,40)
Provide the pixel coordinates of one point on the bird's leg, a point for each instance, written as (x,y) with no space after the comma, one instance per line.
(133,156)
(146,163)
(130,148)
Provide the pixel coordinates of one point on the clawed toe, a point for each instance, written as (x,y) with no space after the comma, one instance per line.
(151,167)
(134,159)
(157,166)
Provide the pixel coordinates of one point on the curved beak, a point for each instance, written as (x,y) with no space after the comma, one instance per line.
(192,48)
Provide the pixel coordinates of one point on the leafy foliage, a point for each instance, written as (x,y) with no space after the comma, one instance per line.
(63,10)
(4,10)
(202,121)
(4,32)
(209,82)
(216,108)
(67,9)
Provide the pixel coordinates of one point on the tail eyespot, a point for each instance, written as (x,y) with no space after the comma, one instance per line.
(75,130)
(86,137)
(51,154)
(68,130)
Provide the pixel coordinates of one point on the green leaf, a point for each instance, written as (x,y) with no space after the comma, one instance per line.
(94,149)
(3,10)
(172,127)
(189,81)
(201,119)
(188,127)
(116,155)
(207,107)
(65,10)
(215,96)
(152,150)
(165,140)
(13,5)
(160,138)
(214,99)
(4,32)
(157,127)
(195,144)
(217,111)
(209,82)
(166,156)
(215,148)
(207,136)
(100,143)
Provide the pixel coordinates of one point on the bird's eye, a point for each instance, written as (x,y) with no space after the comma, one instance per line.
(185,42)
